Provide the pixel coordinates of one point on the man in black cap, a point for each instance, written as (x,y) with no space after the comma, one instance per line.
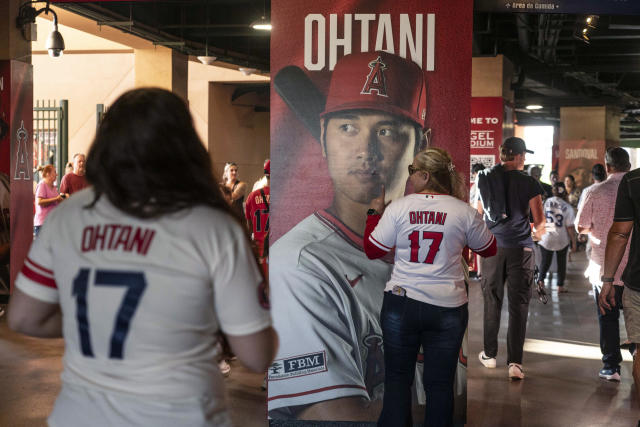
(507,196)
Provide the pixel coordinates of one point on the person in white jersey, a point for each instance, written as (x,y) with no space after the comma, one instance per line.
(141,273)
(425,300)
(559,234)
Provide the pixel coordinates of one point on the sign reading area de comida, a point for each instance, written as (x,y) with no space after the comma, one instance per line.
(602,7)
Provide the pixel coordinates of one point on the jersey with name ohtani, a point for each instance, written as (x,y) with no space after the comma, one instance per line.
(257,214)
(429,232)
(143,299)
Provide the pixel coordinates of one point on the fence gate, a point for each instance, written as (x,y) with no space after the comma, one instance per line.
(50,135)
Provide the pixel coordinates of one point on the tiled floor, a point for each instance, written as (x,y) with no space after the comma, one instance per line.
(561,363)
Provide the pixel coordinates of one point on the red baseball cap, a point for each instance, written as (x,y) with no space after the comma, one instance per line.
(378,81)
(267,167)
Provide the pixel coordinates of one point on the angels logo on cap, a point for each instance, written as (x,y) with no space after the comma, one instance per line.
(376,80)
(393,85)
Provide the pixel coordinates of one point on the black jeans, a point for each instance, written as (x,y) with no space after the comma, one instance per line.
(513,267)
(407,324)
(610,330)
(561,259)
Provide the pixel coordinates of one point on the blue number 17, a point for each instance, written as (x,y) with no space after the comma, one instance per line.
(136,284)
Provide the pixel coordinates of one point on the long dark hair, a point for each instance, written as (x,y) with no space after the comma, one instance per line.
(147,158)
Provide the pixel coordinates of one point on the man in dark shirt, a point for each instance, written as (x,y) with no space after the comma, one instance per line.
(74,181)
(507,196)
(536,173)
(625,220)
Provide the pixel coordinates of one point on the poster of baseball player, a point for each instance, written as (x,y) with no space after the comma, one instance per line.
(357,91)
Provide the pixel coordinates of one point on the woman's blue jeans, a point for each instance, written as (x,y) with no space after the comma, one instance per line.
(407,324)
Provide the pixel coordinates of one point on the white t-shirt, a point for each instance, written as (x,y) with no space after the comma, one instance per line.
(142,302)
(429,232)
(560,215)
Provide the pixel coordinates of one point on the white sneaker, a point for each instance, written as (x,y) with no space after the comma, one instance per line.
(515,371)
(488,362)
(224,367)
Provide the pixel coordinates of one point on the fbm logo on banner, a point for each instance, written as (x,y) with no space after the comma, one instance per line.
(298,366)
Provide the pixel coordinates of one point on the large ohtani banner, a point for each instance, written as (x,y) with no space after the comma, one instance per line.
(354,90)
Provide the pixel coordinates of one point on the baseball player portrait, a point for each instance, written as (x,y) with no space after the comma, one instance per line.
(141,273)
(326,295)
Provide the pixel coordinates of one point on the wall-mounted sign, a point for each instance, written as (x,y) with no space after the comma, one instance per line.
(596,7)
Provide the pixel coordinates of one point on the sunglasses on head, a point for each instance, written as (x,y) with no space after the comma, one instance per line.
(412,169)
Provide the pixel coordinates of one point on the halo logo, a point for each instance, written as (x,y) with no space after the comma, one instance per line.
(376,79)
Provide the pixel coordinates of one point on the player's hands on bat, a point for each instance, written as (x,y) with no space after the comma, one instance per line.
(378,203)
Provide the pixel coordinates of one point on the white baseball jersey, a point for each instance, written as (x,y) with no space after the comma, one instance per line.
(326,297)
(429,232)
(142,302)
(559,215)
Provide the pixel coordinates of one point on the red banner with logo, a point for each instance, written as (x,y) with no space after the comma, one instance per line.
(577,157)
(16,97)
(486,130)
(355,88)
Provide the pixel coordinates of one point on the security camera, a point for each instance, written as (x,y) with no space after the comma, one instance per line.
(55,43)
(207,60)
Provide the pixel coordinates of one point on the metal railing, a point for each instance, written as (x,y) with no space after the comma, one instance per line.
(50,134)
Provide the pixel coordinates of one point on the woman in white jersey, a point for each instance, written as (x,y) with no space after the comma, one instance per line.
(140,273)
(425,301)
(560,233)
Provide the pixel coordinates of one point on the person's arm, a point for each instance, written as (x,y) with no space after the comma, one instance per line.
(352,408)
(46,202)
(584,220)
(256,351)
(572,237)
(33,317)
(479,207)
(616,244)
(238,193)
(535,204)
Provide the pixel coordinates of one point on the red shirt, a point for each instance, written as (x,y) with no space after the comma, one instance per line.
(257,213)
(71,183)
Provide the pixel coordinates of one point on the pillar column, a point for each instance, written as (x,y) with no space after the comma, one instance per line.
(161,67)
(491,107)
(585,134)
(16,144)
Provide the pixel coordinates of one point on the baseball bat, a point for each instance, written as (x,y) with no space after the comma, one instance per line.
(300,94)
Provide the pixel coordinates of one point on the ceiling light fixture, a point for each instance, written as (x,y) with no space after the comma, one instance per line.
(207,60)
(262,24)
(247,71)
(534,107)
(27,17)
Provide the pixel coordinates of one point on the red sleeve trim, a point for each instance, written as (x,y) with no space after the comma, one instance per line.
(318,390)
(38,278)
(370,248)
(35,264)
(488,250)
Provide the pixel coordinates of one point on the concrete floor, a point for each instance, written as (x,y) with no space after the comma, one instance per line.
(562,359)
(561,364)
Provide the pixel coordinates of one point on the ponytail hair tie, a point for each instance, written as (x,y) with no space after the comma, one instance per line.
(451,167)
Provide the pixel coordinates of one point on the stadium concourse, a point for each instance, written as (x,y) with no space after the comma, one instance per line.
(561,361)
